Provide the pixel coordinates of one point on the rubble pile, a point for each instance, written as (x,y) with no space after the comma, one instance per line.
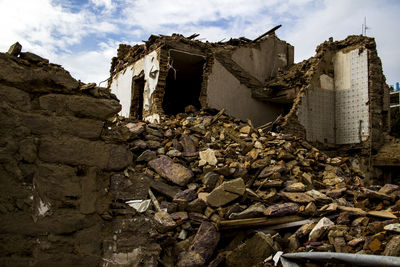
(213,190)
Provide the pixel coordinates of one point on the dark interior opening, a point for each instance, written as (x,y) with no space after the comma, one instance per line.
(137,97)
(183,83)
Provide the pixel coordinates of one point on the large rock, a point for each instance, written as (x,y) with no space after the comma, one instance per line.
(189,147)
(174,172)
(15,49)
(55,125)
(35,78)
(251,252)
(226,192)
(255,210)
(320,229)
(297,197)
(202,248)
(282,209)
(57,181)
(164,221)
(80,106)
(16,98)
(75,151)
(393,247)
(208,156)
(269,170)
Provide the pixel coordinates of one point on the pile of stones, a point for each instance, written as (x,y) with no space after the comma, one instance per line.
(212,190)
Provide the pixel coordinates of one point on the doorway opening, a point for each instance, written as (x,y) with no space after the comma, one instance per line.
(183,83)
(138,83)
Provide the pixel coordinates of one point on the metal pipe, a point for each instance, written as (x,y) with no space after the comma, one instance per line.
(347,258)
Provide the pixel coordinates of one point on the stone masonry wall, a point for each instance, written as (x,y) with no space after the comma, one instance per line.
(55,165)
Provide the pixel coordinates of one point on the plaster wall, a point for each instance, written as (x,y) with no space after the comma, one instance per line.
(151,72)
(264,60)
(225,91)
(121,84)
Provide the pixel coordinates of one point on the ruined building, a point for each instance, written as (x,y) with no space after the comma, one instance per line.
(168,73)
(337,97)
(82,187)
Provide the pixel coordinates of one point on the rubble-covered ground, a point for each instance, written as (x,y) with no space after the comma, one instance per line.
(212,190)
(81,189)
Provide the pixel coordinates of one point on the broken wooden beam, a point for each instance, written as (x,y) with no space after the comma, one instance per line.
(194,35)
(268,32)
(216,117)
(256,222)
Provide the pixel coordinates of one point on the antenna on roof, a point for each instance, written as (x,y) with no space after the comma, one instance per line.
(364,27)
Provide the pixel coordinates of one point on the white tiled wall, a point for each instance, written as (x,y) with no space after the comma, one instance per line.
(351,96)
(332,112)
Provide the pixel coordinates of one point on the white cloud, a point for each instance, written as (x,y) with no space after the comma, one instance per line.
(341,18)
(39,26)
(90,66)
(55,28)
(106,6)
(154,16)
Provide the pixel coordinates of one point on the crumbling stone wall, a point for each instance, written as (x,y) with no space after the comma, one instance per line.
(248,64)
(56,159)
(379,98)
(303,78)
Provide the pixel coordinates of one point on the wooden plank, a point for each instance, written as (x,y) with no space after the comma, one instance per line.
(268,32)
(216,117)
(256,222)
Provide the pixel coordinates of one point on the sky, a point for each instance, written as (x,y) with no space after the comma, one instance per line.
(83,35)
